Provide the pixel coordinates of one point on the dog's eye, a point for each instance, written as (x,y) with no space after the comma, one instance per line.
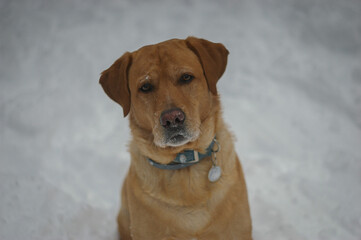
(146,87)
(186,78)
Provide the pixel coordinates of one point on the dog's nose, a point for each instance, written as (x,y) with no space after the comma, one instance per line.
(172,118)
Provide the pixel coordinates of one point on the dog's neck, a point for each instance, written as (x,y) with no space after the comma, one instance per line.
(184,159)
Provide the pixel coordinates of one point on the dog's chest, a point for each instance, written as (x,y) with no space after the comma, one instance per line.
(191,219)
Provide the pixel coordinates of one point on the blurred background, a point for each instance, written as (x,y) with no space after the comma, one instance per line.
(291,94)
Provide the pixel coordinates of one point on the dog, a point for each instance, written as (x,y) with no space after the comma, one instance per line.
(185,180)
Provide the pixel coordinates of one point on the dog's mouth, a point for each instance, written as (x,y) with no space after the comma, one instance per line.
(176,137)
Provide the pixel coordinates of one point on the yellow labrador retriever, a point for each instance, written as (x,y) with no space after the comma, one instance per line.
(185,180)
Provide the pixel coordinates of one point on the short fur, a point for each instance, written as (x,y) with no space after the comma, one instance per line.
(177,204)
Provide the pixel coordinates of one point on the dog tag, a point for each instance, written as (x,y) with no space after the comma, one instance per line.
(214,173)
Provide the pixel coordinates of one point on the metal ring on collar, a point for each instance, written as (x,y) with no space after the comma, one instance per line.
(218,146)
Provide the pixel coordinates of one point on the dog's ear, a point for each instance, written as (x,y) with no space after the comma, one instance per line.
(114,81)
(213,57)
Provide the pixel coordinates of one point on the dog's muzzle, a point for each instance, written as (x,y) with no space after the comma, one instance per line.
(175,131)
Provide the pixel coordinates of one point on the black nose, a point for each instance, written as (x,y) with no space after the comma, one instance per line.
(172,118)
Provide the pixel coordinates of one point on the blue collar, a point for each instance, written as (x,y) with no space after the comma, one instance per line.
(184,159)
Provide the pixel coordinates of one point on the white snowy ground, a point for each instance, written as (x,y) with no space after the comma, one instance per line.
(291,94)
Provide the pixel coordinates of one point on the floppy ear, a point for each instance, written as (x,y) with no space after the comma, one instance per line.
(114,81)
(213,57)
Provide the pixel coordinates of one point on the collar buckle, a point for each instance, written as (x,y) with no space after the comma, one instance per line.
(196,157)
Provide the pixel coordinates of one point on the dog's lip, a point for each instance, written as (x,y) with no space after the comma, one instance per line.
(176,133)
(177,138)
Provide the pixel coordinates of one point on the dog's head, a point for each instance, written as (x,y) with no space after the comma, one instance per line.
(168,88)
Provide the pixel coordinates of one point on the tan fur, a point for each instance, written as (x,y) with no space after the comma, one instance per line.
(177,204)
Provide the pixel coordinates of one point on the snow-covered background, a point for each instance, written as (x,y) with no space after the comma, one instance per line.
(291,95)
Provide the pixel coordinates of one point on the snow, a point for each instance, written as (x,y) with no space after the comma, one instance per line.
(291,94)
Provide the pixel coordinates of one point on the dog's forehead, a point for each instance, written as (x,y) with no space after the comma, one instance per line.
(166,55)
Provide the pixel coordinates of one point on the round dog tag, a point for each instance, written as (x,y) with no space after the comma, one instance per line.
(214,173)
